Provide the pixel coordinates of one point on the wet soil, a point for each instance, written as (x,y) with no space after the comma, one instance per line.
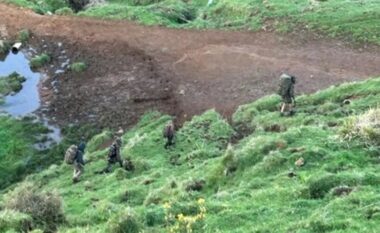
(132,68)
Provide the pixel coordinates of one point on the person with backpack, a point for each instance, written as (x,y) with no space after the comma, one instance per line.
(74,156)
(169,134)
(286,91)
(113,156)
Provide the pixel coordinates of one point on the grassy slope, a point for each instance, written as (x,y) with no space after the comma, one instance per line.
(259,196)
(18,156)
(351,19)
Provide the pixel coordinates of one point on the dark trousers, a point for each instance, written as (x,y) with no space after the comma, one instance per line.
(110,163)
(169,142)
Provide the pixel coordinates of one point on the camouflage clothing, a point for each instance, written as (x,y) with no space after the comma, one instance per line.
(113,156)
(79,162)
(169,134)
(286,90)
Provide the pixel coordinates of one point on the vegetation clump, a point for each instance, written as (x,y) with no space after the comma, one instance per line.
(365,127)
(78,67)
(14,220)
(45,208)
(125,222)
(23,36)
(64,11)
(39,61)
(5,46)
(11,84)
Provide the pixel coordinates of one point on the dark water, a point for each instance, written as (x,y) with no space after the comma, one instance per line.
(27,100)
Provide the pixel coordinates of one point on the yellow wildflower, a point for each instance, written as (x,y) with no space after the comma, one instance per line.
(167,205)
(201,201)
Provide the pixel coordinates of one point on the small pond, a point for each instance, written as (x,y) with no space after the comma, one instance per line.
(27,101)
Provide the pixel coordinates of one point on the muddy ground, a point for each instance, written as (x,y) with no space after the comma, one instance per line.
(134,68)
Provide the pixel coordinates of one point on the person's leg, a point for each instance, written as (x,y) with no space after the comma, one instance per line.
(167,143)
(283,108)
(77,172)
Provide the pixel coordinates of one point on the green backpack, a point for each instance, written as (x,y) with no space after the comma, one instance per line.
(285,84)
(70,154)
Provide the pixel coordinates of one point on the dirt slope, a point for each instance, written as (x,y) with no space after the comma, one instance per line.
(133,68)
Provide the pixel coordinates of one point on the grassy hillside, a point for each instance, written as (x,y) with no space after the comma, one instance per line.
(204,184)
(19,155)
(349,19)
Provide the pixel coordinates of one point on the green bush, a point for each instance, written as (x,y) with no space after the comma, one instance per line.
(39,61)
(14,220)
(54,5)
(78,67)
(365,127)
(5,46)
(11,83)
(320,186)
(142,2)
(64,11)
(154,215)
(44,208)
(124,222)
(23,36)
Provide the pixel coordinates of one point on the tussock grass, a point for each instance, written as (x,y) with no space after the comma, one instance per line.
(39,61)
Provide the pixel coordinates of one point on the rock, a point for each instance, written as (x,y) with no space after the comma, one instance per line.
(196,185)
(341,191)
(148,181)
(300,162)
(296,149)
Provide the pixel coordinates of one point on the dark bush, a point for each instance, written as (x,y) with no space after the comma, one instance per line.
(44,208)
(124,222)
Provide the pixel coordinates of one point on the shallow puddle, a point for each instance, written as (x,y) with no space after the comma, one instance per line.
(27,101)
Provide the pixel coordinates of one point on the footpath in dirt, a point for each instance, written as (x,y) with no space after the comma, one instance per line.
(132,68)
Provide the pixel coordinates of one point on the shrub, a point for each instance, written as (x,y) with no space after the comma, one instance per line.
(4,47)
(142,2)
(78,67)
(320,186)
(23,36)
(10,219)
(154,216)
(124,222)
(365,127)
(45,208)
(64,11)
(11,83)
(39,61)
(54,5)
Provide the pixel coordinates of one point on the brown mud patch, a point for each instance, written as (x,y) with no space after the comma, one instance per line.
(133,69)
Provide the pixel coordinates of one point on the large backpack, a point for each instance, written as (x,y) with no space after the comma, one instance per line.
(285,85)
(70,154)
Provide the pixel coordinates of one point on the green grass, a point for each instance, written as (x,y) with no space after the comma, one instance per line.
(11,83)
(78,67)
(350,19)
(256,196)
(39,61)
(5,46)
(23,36)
